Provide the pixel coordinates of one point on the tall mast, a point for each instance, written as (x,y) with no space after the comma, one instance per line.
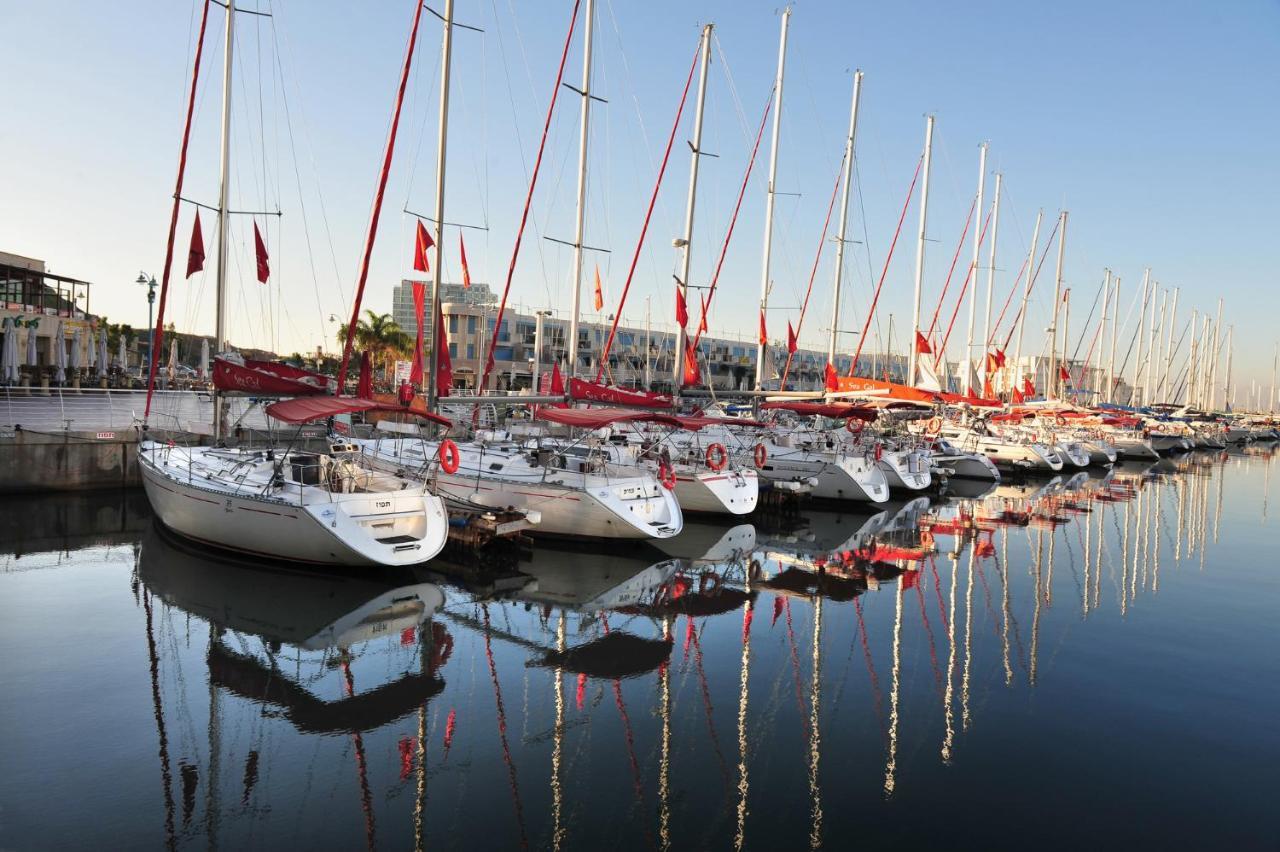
(973,267)
(1227,395)
(1115,327)
(1151,346)
(686,249)
(914,361)
(1217,354)
(446,63)
(1275,362)
(579,223)
(1164,386)
(1066,337)
(224,186)
(1155,341)
(648,338)
(991,261)
(1057,303)
(1102,329)
(1142,320)
(1026,294)
(773,176)
(844,218)
(1193,367)
(1206,338)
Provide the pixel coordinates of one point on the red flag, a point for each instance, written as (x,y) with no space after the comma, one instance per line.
(987,392)
(1000,359)
(420,247)
(764,332)
(364,387)
(1064,374)
(791,339)
(691,372)
(444,366)
(832,378)
(419,310)
(922,345)
(466,270)
(1018,397)
(993,363)
(260,249)
(682,308)
(195,254)
(1028,387)
(599,291)
(702,323)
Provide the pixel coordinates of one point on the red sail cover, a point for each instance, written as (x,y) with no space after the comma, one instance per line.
(305,410)
(592,392)
(594,418)
(268,378)
(893,390)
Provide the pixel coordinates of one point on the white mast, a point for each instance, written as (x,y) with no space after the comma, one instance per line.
(1115,327)
(973,268)
(844,218)
(1217,355)
(991,265)
(1275,362)
(1192,367)
(914,361)
(1026,294)
(1206,339)
(685,242)
(648,336)
(446,64)
(773,176)
(1227,395)
(1102,329)
(1066,339)
(1142,320)
(1151,346)
(224,185)
(1164,386)
(584,133)
(1157,347)
(1057,302)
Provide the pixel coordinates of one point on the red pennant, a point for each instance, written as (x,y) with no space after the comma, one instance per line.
(992,364)
(692,375)
(922,345)
(364,387)
(764,332)
(1000,359)
(195,254)
(599,301)
(444,364)
(832,378)
(682,308)
(419,311)
(1064,374)
(420,248)
(466,270)
(1028,387)
(260,249)
(1018,397)
(791,339)
(987,392)
(702,323)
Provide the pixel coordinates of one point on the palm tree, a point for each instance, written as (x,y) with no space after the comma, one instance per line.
(382,338)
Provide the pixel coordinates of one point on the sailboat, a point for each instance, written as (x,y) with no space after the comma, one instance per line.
(325,507)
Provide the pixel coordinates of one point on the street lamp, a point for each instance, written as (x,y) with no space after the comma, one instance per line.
(149,281)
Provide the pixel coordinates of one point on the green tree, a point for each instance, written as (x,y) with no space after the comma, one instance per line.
(382,338)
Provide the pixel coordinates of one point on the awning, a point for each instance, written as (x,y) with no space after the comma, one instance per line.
(305,409)
(592,392)
(698,421)
(594,418)
(824,409)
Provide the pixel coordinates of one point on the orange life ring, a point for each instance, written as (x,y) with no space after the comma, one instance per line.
(717,456)
(934,426)
(667,476)
(760,456)
(854,425)
(709,582)
(449,456)
(1060,420)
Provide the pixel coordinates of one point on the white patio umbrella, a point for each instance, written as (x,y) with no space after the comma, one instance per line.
(76,358)
(204,359)
(91,351)
(9,352)
(59,354)
(104,360)
(173,358)
(121,355)
(31,348)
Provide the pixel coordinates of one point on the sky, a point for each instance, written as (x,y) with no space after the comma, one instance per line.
(1147,121)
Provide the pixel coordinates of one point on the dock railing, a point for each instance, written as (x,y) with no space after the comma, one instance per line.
(95,409)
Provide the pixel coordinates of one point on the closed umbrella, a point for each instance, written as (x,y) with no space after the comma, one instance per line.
(9,352)
(204,359)
(76,358)
(120,353)
(173,358)
(364,388)
(91,351)
(59,354)
(104,360)
(31,349)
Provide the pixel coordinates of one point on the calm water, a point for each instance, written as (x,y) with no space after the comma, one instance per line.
(1092,663)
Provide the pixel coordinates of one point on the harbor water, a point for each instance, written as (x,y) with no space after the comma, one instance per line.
(1070,663)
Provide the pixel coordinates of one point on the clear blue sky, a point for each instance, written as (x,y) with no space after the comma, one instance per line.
(1149,121)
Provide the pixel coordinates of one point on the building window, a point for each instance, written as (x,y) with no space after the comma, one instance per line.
(471,325)
(453,350)
(471,350)
(453,324)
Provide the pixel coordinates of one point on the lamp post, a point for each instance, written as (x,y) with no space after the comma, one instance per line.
(149,281)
